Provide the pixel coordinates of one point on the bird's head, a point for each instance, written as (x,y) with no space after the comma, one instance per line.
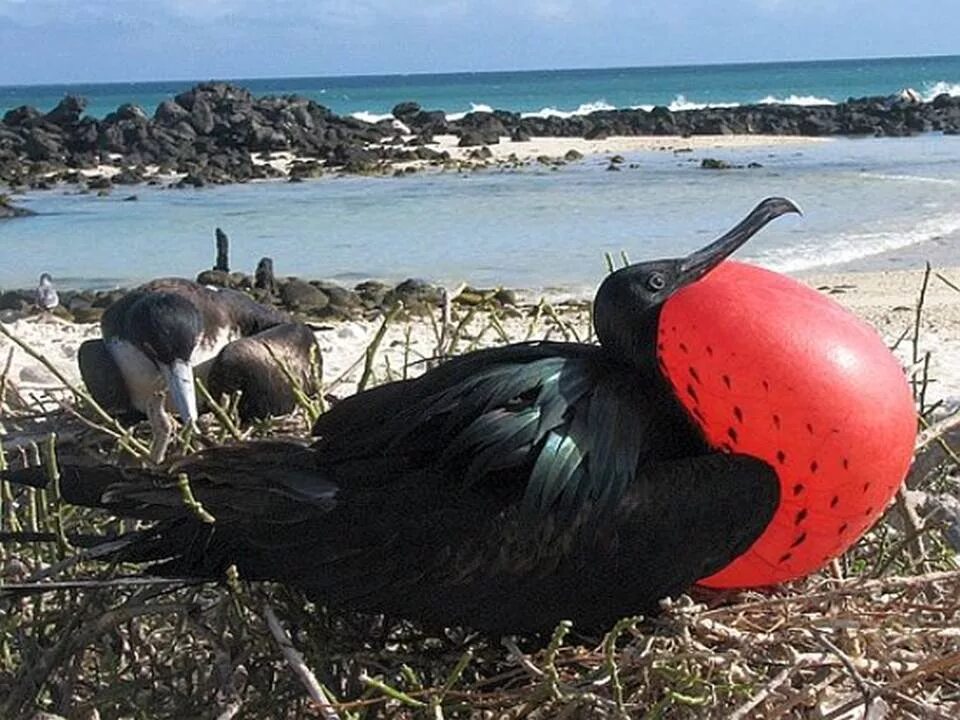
(628,302)
(45,280)
(166,328)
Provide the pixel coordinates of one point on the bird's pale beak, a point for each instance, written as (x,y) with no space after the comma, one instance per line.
(179,378)
(697,264)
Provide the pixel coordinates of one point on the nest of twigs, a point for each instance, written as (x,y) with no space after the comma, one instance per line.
(875,635)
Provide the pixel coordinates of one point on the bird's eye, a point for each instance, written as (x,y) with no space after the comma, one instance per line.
(656,282)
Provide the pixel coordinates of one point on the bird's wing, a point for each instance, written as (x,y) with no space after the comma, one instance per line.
(551,424)
(102,376)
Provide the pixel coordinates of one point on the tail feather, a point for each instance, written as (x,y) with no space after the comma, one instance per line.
(258,495)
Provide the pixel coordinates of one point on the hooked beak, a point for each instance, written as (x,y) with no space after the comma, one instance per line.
(697,264)
(179,378)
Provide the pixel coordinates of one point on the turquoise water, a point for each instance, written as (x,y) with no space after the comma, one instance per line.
(532,228)
(892,200)
(561,91)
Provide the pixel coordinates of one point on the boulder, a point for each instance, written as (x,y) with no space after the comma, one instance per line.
(339,296)
(16,300)
(8,210)
(42,145)
(201,117)
(300,295)
(413,293)
(405,111)
(130,175)
(169,114)
(21,116)
(99,182)
(715,164)
(67,112)
(473,138)
(372,293)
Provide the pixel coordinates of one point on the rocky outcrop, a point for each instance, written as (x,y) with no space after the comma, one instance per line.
(311,300)
(211,133)
(9,210)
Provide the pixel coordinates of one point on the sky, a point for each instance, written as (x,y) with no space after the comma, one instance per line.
(63,41)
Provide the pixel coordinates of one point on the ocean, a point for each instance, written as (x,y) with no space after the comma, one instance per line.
(867,202)
(552,91)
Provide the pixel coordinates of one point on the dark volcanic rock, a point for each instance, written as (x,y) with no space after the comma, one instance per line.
(472,138)
(414,294)
(406,111)
(209,132)
(339,296)
(714,164)
(41,145)
(372,293)
(300,295)
(170,114)
(99,182)
(16,300)
(20,116)
(67,112)
(8,211)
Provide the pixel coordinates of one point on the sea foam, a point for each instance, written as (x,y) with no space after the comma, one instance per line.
(855,246)
(931,90)
(679,103)
(795,100)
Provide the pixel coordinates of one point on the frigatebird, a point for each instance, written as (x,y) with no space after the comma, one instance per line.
(513,487)
(164,332)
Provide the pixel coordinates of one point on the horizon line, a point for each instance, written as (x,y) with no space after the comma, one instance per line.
(484,72)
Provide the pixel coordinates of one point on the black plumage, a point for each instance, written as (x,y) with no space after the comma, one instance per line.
(506,490)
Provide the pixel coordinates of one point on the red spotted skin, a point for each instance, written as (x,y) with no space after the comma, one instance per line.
(768,367)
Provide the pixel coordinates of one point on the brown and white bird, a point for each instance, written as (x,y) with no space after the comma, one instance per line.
(166,332)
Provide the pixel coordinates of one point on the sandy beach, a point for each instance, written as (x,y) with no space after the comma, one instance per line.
(557,147)
(886,300)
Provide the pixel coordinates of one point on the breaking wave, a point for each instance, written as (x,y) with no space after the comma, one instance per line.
(931,90)
(795,100)
(371,117)
(854,246)
(584,109)
(679,103)
(910,178)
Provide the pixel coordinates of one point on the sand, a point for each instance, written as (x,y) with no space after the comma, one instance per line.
(886,300)
(525,151)
(557,147)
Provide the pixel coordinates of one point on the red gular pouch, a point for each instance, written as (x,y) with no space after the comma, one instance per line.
(770,368)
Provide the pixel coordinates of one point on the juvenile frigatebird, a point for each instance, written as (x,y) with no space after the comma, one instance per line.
(513,487)
(162,333)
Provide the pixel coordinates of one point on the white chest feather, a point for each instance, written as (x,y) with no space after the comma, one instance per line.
(211,344)
(140,375)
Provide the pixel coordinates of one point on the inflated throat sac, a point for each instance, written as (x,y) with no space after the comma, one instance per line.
(768,367)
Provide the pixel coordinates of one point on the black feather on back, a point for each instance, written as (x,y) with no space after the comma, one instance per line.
(506,490)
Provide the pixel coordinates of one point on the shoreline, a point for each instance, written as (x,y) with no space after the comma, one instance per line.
(555,152)
(886,300)
(215,133)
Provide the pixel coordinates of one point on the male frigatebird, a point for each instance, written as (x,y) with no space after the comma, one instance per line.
(166,331)
(733,427)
